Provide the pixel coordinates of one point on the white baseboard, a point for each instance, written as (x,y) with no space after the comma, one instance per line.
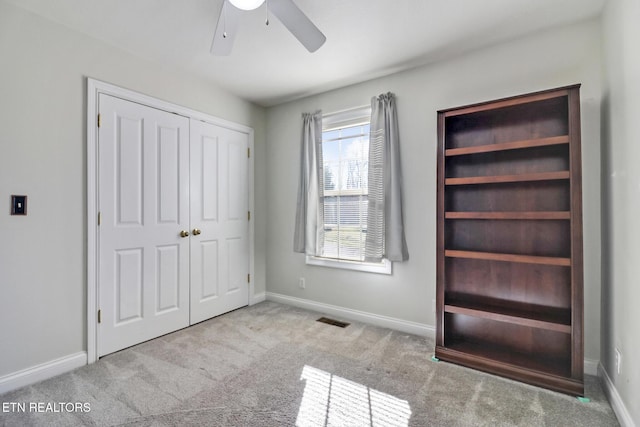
(591,367)
(257,298)
(624,417)
(360,316)
(42,372)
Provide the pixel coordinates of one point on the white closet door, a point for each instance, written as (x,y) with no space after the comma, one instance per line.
(219,220)
(143,191)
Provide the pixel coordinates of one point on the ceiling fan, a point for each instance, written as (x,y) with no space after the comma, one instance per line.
(285,10)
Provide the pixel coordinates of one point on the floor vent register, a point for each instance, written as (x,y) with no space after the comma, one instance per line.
(333,322)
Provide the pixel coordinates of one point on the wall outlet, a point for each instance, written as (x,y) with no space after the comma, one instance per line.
(618,359)
(301,283)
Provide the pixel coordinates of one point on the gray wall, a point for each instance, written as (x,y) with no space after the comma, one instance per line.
(43,155)
(554,58)
(621,200)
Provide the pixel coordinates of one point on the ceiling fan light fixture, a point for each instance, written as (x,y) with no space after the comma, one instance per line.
(247,4)
(287,13)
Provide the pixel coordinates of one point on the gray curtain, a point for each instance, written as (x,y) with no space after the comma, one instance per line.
(385,224)
(309,232)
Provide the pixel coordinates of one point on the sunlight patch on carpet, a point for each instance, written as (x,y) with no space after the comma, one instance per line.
(335,401)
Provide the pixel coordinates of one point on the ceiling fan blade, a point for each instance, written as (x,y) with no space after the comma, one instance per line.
(298,23)
(226,30)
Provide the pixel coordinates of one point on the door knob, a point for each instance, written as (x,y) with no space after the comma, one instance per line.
(196,231)
(184,233)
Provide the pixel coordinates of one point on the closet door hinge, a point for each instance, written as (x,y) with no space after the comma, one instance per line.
(99,120)
(248,152)
(99,316)
(249,278)
(248,215)
(99,218)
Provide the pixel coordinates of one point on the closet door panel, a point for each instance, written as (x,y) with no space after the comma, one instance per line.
(219,220)
(144,205)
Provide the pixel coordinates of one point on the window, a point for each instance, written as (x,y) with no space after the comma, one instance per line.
(345,155)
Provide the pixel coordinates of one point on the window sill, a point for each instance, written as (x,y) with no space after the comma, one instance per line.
(383,268)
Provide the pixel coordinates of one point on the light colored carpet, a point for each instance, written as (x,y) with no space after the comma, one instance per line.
(274,365)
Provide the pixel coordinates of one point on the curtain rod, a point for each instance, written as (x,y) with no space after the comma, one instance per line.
(347,110)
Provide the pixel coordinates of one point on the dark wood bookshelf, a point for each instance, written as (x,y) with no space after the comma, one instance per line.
(544,176)
(544,365)
(536,316)
(509,215)
(509,238)
(527,259)
(545,371)
(515,145)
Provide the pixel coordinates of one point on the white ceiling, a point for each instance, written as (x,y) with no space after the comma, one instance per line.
(365,38)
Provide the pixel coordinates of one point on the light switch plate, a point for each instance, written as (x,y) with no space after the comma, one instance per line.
(18,205)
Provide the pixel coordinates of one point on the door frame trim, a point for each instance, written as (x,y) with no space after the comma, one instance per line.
(94,89)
